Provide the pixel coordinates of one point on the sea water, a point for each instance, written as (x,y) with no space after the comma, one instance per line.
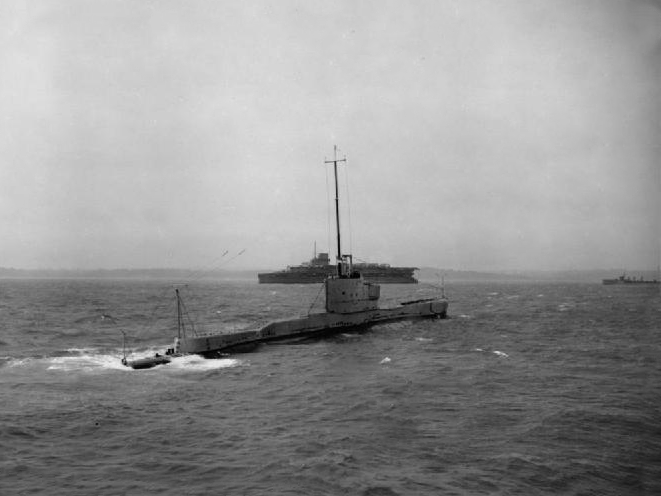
(527,388)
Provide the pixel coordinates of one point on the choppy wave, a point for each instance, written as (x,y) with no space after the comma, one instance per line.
(528,395)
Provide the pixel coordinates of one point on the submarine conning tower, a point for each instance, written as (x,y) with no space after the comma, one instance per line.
(347,292)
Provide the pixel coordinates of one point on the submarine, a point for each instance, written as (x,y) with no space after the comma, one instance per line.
(351,303)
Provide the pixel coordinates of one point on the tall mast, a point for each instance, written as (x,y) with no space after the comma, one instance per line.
(179,318)
(337,200)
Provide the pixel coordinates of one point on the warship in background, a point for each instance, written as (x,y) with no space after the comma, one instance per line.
(624,279)
(320,267)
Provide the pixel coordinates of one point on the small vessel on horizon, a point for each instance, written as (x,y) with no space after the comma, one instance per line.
(351,302)
(624,279)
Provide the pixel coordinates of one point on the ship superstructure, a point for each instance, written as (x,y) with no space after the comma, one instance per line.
(320,267)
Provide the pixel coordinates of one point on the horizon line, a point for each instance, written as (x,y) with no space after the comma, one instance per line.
(257,269)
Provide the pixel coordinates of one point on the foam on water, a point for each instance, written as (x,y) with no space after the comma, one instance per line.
(80,360)
(495,352)
(91,360)
(195,362)
(84,362)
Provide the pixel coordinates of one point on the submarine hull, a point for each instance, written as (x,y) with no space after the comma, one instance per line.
(313,325)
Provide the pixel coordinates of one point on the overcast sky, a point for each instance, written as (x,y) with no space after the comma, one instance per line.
(478,134)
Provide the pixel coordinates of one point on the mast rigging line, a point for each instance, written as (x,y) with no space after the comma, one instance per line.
(337,203)
(315,298)
(160,298)
(346,181)
(215,265)
(328,213)
(209,267)
(183,315)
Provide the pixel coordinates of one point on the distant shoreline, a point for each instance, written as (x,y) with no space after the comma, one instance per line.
(424,275)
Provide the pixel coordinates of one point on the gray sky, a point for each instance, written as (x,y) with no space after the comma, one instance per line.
(478,134)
